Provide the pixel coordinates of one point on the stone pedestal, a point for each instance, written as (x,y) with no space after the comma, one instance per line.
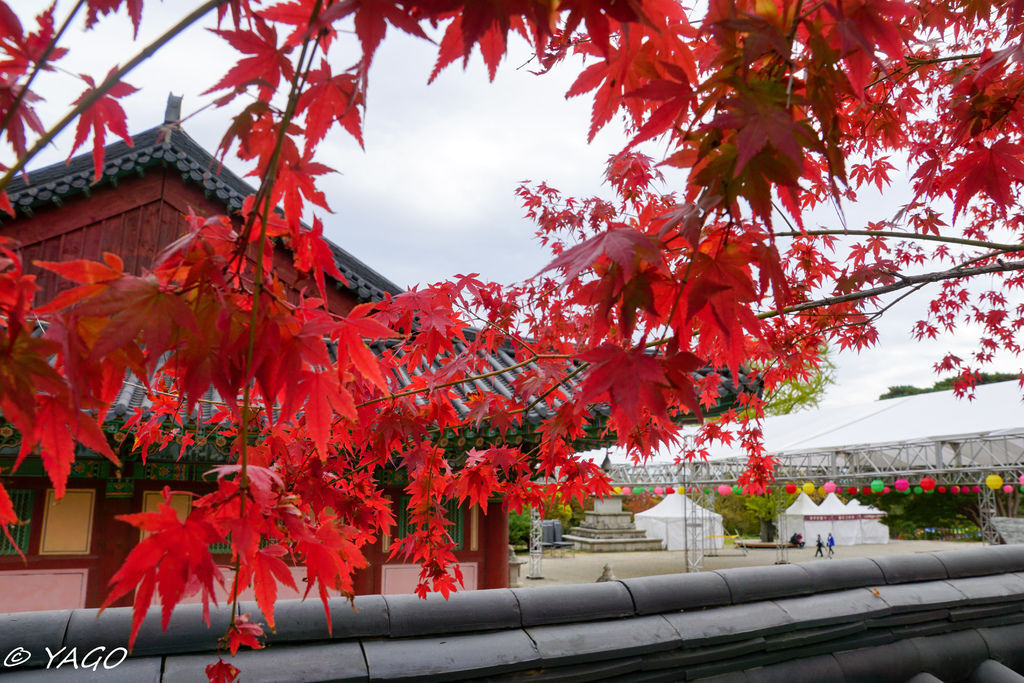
(609,529)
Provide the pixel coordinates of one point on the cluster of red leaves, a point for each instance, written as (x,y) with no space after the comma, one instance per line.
(770,108)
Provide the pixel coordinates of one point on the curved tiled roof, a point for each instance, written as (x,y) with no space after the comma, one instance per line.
(170,147)
(947,616)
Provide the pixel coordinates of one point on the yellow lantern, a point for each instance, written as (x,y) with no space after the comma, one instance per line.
(808,488)
(617,490)
(994,481)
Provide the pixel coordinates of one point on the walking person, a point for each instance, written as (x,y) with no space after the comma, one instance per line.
(820,546)
(831,545)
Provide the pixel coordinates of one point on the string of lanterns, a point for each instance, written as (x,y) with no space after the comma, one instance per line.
(878,487)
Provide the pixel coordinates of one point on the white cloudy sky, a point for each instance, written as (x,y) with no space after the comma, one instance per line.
(432,195)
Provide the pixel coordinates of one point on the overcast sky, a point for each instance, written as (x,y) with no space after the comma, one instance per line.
(433,194)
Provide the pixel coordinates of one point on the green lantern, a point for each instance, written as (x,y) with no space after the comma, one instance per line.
(736,489)
(877,485)
(918,490)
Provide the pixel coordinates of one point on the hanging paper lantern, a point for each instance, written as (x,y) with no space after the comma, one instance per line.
(852,490)
(918,490)
(901,484)
(942,489)
(790,488)
(808,488)
(1007,488)
(885,489)
(736,489)
(976,488)
(670,490)
(725,489)
(877,485)
(627,491)
(994,481)
(768,490)
(1022,489)
(658,491)
(927,483)
(1022,480)
(707,492)
(617,490)
(830,487)
(954,489)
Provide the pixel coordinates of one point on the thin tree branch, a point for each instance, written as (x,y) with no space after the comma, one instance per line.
(908,236)
(908,281)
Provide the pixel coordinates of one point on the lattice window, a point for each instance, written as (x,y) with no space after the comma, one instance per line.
(22,500)
(454,514)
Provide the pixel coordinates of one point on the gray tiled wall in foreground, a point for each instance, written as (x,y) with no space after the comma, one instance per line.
(950,616)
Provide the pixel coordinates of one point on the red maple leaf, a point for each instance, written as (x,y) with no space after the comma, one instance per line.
(221,672)
(244,632)
(103,114)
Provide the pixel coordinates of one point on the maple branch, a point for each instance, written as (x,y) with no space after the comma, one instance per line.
(40,65)
(996,246)
(109,82)
(916,61)
(908,281)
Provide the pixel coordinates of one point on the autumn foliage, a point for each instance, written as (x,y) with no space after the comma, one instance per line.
(772,114)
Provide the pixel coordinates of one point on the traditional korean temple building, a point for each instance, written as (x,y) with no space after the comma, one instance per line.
(73,546)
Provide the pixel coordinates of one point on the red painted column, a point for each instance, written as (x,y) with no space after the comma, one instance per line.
(494,526)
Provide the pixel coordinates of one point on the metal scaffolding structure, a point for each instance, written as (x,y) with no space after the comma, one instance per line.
(963,460)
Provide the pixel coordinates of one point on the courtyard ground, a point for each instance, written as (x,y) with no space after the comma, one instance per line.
(587,567)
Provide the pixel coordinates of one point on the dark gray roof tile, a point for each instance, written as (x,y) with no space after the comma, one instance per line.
(907,618)
(980,561)
(991,671)
(806,670)
(41,629)
(596,640)
(953,656)
(747,584)
(305,620)
(185,632)
(668,592)
(581,602)
(464,611)
(834,608)
(984,611)
(896,661)
(807,636)
(839,574)
(994,588)
(927,595)
(143,670)
(613,670)
(1004,644)
(910,567)
(450,657)
(685,657)
(341,662)
(725,624)
(924,677)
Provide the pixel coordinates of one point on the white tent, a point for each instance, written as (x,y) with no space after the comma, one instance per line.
(833,517)
(872,530)
(681,523)
(792,520)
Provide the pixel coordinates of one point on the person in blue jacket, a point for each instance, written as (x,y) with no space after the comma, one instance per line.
(831,545)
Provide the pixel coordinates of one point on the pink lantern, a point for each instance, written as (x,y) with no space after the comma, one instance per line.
(1022,480)
(658,491)
(627,491)
(885,489)
(1007,488)
(954,489)
(976,489)
(830,487)
(724,490)
(901,484)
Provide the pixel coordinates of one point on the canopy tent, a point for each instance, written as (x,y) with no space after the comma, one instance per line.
(872,530)
(792,520)
(681,523)
(833,517)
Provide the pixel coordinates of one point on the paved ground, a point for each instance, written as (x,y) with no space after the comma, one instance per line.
(586,567)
